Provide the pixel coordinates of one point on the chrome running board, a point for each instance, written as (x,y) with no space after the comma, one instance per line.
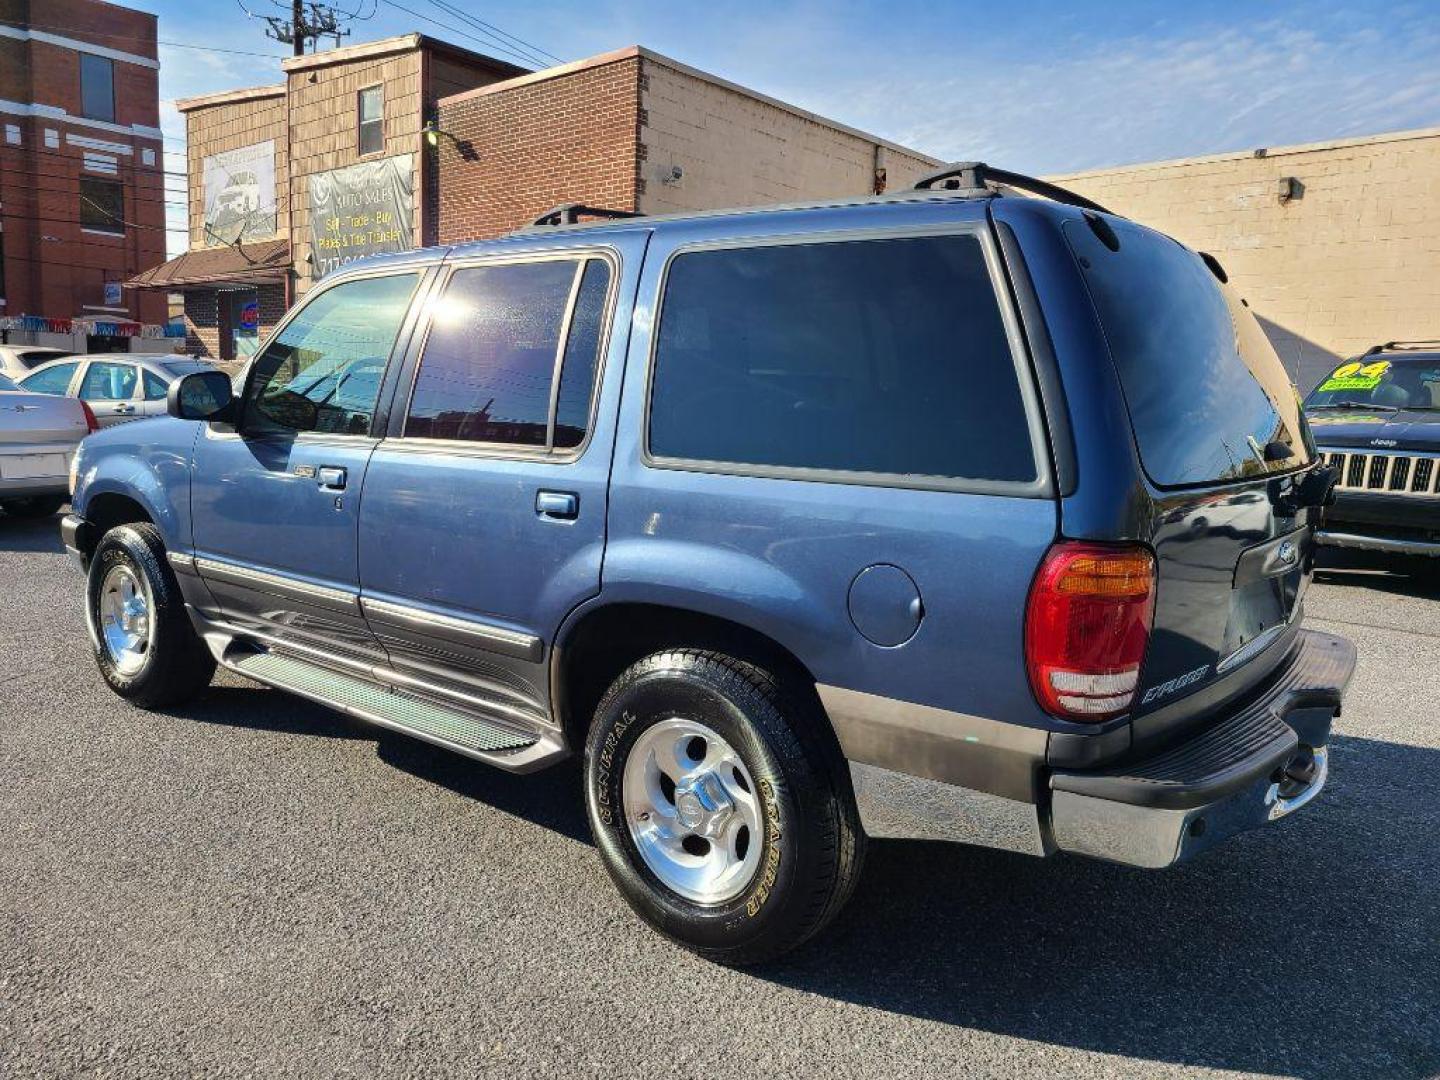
(490,740)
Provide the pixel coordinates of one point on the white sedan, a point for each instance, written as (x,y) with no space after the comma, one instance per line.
(38,437)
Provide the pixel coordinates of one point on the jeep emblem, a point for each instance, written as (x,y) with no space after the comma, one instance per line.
(1383,442)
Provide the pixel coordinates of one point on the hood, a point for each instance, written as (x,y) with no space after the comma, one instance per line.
(1367,429)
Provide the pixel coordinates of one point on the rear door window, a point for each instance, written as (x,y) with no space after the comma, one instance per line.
(108,382)
(55,380)
(1205,390)
(885,356)
(497,345)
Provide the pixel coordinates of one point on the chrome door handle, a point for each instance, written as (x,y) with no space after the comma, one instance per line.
(562,505)
(331,477)
(125,409)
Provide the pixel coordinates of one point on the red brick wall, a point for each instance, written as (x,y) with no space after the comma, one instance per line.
(52,267)
(525,146)
(203,318)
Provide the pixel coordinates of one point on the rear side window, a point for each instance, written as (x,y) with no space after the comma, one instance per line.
(1205,390)
(871,356)
(55,380)
(497,345)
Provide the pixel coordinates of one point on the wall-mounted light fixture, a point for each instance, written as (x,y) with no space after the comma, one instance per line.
(1288,188)
(433,133)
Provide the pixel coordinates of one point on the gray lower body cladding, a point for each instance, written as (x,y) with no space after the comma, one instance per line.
(1263,760)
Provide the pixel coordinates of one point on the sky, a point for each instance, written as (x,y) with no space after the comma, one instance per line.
(1038,87)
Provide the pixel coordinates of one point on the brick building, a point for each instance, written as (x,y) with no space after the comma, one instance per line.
(81,187)
(634,130)
(272,205)
(1336,245)
(259,158)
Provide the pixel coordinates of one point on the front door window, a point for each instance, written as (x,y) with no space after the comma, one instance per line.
(323,371)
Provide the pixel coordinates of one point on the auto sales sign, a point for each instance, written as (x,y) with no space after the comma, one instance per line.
(361,210)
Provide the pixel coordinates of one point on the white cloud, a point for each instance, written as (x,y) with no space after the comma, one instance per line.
(1146,98)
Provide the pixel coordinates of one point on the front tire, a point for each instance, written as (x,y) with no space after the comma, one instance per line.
(720,805)
(36,506)
(145,645)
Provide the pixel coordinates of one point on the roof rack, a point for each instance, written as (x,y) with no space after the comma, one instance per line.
(569,214)
(977,176)
(1400,346)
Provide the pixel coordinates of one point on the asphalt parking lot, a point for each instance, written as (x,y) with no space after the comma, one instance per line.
(257,886)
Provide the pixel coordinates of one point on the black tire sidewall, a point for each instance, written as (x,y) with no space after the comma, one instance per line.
(678,686)
(144,556)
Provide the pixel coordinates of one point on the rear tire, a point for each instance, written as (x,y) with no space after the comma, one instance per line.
(748,750)
(36,506)
(145,645)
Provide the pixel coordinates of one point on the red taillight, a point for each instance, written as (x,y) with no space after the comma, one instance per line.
(1086,628)
(91,424)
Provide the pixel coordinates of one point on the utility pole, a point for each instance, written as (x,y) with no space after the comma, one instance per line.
(297,20)
(322,21)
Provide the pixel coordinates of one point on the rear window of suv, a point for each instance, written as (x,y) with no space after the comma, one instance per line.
(1205,390)
(886,356)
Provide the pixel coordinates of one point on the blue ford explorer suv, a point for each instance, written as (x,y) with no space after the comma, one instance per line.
(949,514)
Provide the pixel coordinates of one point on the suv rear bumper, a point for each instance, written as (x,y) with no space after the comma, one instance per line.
(1154,811)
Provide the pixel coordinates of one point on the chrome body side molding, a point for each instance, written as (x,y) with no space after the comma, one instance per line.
(290,588)
(465,631)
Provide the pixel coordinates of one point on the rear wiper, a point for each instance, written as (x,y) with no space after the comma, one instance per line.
(1354,405)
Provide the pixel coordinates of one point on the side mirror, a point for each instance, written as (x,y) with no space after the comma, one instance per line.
(204,395)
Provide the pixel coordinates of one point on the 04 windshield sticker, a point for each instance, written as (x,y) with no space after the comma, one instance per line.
(1356,376)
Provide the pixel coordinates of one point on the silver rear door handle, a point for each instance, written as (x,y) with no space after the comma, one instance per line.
(331,477)
(564,505)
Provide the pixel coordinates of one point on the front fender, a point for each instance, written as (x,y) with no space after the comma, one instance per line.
(147,462)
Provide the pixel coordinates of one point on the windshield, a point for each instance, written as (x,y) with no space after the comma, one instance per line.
(6,384)
(1208,398)
(1389,382)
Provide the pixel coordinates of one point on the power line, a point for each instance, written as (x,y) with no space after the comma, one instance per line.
(141,170)
(131,37)
(534,54)
(136,196)
(76,221)
(455,30)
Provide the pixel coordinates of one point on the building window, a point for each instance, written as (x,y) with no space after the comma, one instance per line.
(102,205)
(97,87)
(372,120)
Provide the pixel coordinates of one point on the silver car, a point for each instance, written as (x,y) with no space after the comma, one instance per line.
(17,361)
(38,437)
(117,386)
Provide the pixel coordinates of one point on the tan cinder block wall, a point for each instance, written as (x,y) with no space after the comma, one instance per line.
(324,131)
(737,148)
(1353,262)
(607,131)
(213,129)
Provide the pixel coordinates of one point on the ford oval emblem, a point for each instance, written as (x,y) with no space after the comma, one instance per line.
(1287,553)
